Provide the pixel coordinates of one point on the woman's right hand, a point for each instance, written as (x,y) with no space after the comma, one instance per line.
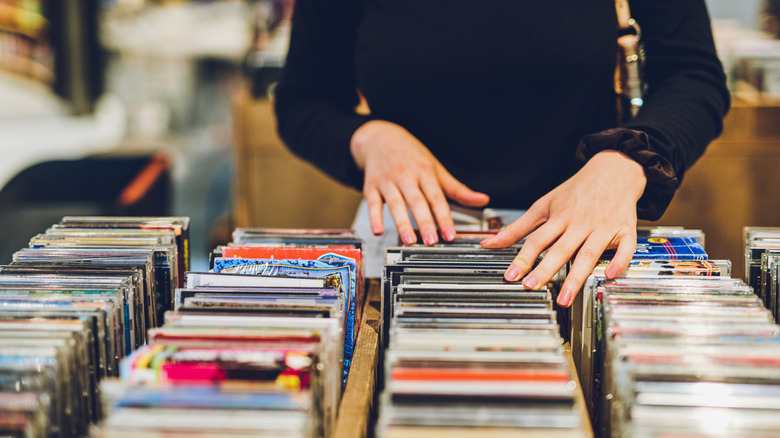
(402,172)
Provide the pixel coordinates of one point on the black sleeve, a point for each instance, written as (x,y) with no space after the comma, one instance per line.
(685,102)
(316,95)
(687,95)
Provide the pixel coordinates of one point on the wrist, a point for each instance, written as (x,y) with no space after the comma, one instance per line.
(660,178)
(361,139)
(628,172)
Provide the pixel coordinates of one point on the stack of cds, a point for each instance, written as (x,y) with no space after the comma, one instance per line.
(469,354)
(762,265)
(230,373)
(71,307)
(333,255)
(671,231)
(660,252)
(99,240)
(688,357)
(256,347)
(675,347)
(587,333)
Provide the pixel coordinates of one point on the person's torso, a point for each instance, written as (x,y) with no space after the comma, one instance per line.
(499,90)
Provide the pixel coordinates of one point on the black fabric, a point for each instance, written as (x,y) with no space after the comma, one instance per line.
(502,92)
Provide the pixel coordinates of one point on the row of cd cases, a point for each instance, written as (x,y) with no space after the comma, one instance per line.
(258,346)
(678,348)
(674,345)
(468,354)
(762,265)
(102,335)
(72,305)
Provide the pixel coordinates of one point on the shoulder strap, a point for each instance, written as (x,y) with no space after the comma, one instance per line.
(628,75)
(623,13)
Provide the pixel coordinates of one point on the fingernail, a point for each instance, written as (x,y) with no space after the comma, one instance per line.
(377,230)
(612,272)
(564,298)
(531,281)
(430,238)
(408,238)
(449,235)
(512,274)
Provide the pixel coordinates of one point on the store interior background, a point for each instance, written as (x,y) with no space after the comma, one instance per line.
(144,107)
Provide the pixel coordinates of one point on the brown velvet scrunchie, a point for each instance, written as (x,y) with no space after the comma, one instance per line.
(661,179)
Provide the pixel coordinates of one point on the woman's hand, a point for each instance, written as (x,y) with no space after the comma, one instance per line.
(592,211)
(401,171)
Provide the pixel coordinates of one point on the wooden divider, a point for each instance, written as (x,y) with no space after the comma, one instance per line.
(356,411)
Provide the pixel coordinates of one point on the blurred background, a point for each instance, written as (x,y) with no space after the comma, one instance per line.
(161,107)
(123,107)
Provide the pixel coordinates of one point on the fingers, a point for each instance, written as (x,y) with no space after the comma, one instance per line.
(557,256)
(420,209)
(421,203)
(623,254)
(533,246)
(588,257)
(397,206)
(569,241)
(401,170)
(459,192)
(529,221)
(374,202)
(424,195)
(439,206)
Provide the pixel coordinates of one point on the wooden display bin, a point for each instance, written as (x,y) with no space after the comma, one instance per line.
(356,410)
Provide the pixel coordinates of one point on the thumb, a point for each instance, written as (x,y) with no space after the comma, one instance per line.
(459,192)
(523,226)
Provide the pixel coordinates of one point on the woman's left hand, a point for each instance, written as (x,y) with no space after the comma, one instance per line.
(592,211)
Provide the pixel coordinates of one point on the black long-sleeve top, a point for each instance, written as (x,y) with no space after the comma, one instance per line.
(503,91)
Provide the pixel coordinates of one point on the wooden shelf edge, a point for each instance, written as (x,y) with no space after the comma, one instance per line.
(355,409)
